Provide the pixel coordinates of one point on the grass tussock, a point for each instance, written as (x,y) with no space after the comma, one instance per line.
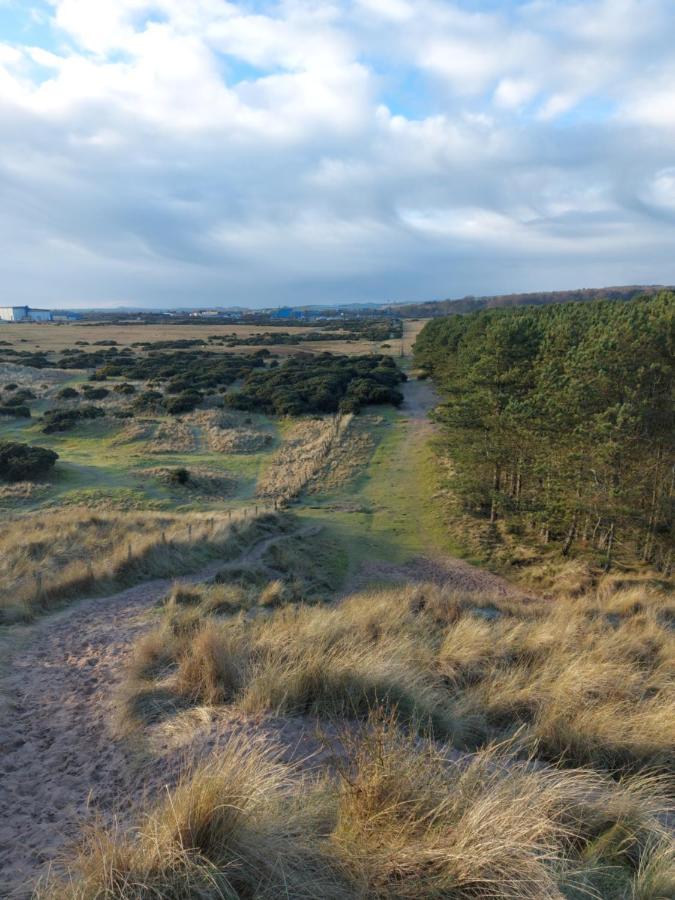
(412,824)
(586,681)
(236,827)
(400,819)
(295,660)
(49,558)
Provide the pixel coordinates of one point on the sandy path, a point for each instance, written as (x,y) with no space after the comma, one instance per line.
(60,761)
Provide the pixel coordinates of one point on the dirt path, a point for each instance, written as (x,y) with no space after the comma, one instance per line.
(60,762)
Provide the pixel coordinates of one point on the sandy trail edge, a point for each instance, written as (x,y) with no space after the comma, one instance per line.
(59,759)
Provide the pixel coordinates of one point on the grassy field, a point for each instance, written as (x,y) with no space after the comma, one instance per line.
(379,508)
(52,337)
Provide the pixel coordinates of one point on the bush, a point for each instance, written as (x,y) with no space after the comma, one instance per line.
(20,397)
(321,384)
(148,401)
(180,475)
(64,419)
(125,388)
(95,393)
(68,393)
(11,387)
(185,402)
(21,412)
(20,462)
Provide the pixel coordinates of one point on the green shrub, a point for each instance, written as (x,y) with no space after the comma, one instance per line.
(68,393)
(95,393)
(181,475)
(184,402)
(19,462)
(20,412)
(320,384)
(148,401)
(125,388)
(63,419)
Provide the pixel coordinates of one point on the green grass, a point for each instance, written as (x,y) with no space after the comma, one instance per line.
(94,468)
(389,511)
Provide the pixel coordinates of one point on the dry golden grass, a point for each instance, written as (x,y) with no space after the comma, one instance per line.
(51,338)
(307,449)
(48,558)
(236,827)
(582,681)
(172,436)
(231,431)
(201,481)
(20,491)
(410,824)
(400,819)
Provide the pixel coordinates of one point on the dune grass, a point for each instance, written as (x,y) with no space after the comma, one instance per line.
(50,558)
(584,681)
(235,827)
(400,819)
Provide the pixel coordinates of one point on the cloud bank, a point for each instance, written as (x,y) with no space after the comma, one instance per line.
(172,153)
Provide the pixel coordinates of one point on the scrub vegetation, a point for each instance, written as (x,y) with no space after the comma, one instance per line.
(321,384)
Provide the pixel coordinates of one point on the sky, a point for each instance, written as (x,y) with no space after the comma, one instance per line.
(203,152)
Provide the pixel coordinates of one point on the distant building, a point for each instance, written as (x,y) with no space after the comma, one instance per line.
(286,312)
(24,314)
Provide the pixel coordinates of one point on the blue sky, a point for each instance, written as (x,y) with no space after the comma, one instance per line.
(170,153)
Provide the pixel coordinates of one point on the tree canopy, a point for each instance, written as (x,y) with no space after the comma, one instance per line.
(561,418)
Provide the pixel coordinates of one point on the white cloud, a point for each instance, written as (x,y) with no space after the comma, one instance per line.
(193,152)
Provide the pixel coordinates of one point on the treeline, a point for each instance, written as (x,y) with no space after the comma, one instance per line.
(560,420)
(537,298)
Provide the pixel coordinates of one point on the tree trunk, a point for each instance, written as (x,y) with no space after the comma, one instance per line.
(571,534)
(496,484)
(651,523)
(610,547)
(595,529)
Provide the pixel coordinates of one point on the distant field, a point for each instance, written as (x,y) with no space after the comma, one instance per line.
(53,337)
